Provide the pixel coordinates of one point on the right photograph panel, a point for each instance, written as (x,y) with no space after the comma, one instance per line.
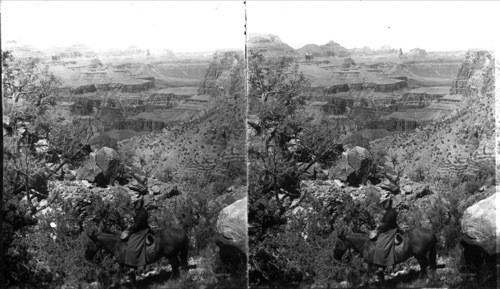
(371,145)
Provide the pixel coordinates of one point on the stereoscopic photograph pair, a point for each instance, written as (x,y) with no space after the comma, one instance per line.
(252,144)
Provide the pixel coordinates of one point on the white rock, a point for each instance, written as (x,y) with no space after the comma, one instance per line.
(232,223)
(338,183)
(86,183)
(408,189)
(155,189)
(53,225)
(43,203)
(479,222)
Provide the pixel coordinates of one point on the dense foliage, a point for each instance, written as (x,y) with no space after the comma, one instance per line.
(34,137)
(285,145)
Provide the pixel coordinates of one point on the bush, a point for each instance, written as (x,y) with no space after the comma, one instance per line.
(445,221)
(302,250)
(418,175)
(166,175)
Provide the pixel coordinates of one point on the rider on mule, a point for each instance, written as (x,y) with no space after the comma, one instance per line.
(385,234)
(137,234)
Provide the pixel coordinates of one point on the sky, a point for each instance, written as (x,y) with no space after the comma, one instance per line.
(178,26)
(206,26)
(434,26)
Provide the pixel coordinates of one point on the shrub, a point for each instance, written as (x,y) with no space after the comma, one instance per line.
(54,255)
(470,187)
(302,250)
(166,175)
(445,221)
(418,175)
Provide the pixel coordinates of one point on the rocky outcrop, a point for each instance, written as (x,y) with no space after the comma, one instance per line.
(110,116)
(420,98)
(85,106)
(387,87)
(337,88)
(329,49)
(140,124)
(380,86)
(393,124)
(137,86)
(85,88)
(385,49)
(473,65)
(220,63)
(479,224)
(268,43)
(417,52)
(348,63)
(338,106)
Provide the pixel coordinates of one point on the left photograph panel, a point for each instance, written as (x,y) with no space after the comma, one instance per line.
(124,161)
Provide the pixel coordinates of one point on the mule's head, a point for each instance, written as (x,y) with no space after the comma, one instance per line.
(92,246)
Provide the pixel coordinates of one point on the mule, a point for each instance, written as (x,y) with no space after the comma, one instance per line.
(173,245)
(421,244)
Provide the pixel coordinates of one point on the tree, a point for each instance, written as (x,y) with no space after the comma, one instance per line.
(38,143)
(287,141)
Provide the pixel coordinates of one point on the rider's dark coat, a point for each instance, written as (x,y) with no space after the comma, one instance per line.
(389,221)
(140,221)
(384,249)
(136,245)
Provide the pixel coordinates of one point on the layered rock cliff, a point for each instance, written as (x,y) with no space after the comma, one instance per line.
(463,143)
(222,62)
(329,49)
(269,43)
(471,71)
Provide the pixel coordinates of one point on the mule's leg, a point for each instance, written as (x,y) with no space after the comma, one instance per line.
(432,255)
(175,263)
(423,262)
(381,277)
(131,274)
(121,271)
(366,278)
(184,256)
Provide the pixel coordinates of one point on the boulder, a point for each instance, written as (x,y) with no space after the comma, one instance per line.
(89,169)
(342,169)
(360,159)
(105,157)
(101,167)
(357,156)
(232,230)
(479,224)
(109,161)
(232,224)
